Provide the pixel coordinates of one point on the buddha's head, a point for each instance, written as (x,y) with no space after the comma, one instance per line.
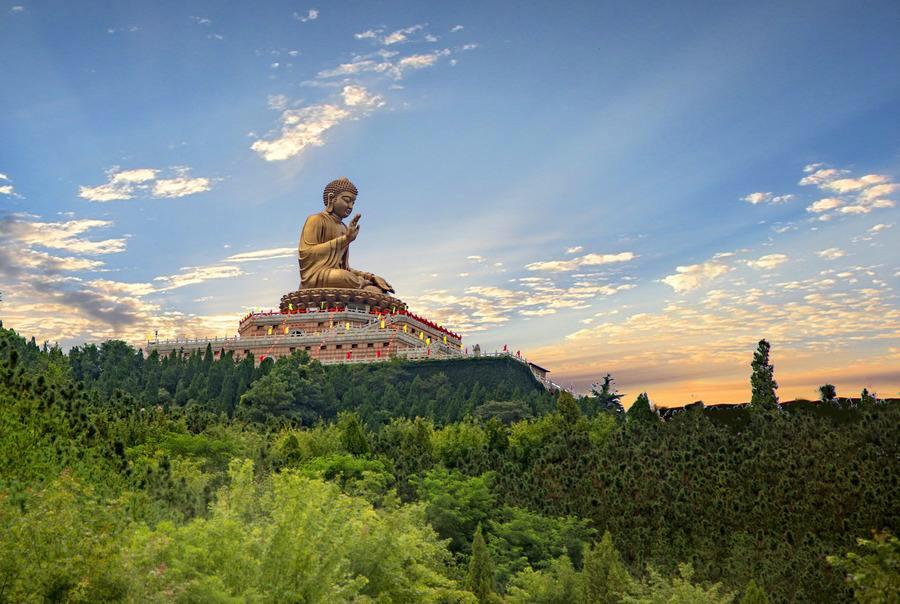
(339,196)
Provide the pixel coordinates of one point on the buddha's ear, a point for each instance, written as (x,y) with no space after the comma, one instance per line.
(329,205)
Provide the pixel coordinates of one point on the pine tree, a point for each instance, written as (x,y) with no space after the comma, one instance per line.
(762,380)
(480,578)
(606,579)
(567,407)
(866,398)
(607,398)
(828,394)
(754,594)
(353,436)
(640,410)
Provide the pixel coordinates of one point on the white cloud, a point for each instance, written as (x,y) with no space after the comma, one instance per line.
(7,189)
(401,35)
(823,205)
(755,198)
(854,195)
(358,96)
(18,8)
(586,260)
(192,275)
(300,129)
(574,250)
(456,28)
(278,102)
(768,261)
(848,185)
(180,187)
(267,254)
(475,258)
(311,15)
(880,227)
(879,191)
(819,176)
(766,197)
(61,235)
(831,253)
(305,127)
(368,34)
(127,184)
(200,20)
(693,276)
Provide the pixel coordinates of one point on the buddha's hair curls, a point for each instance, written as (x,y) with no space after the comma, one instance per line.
(340,185)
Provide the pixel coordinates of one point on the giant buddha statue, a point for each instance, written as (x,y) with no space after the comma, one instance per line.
(326,279)
(324,247)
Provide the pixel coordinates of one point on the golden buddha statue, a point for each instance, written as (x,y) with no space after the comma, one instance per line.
(325,243)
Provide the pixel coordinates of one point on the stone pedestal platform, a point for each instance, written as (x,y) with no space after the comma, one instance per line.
(329,297)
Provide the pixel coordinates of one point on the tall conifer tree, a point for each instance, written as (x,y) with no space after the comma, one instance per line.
(762,380)
(605,577)
(480,578)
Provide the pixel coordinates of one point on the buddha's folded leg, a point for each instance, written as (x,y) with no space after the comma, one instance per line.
(338,277)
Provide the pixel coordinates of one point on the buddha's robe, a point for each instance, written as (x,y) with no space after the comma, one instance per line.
(324,253)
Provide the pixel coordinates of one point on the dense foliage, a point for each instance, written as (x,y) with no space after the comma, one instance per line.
(201,479)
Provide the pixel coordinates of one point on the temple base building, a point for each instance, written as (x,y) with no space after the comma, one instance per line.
(332,326)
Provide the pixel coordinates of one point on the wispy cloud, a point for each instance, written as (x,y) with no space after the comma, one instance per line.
(480,307)
(311,15)
(6,187)
(401,34)
(586,260)
(848,196)
(831,253)
(387,63)
(145,182)
(767,198)
(192,275)
(767,262)
(60,235)
(692,276)
(306,127)
(267,254)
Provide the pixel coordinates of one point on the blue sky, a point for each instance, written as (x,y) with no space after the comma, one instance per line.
(640,188)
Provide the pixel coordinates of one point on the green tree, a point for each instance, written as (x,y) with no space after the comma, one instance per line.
(607,398)
(456,504)
(873,572)
(480,576)
(353,435)
(680,589)
(754,594)
(867,399)
(762,380)
(640,410)
(567,407)
(559,583)
(606,580)
(828,394)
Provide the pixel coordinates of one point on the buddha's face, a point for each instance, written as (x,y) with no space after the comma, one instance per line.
(342,204)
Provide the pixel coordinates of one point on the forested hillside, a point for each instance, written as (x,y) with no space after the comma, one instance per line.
(204,480)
